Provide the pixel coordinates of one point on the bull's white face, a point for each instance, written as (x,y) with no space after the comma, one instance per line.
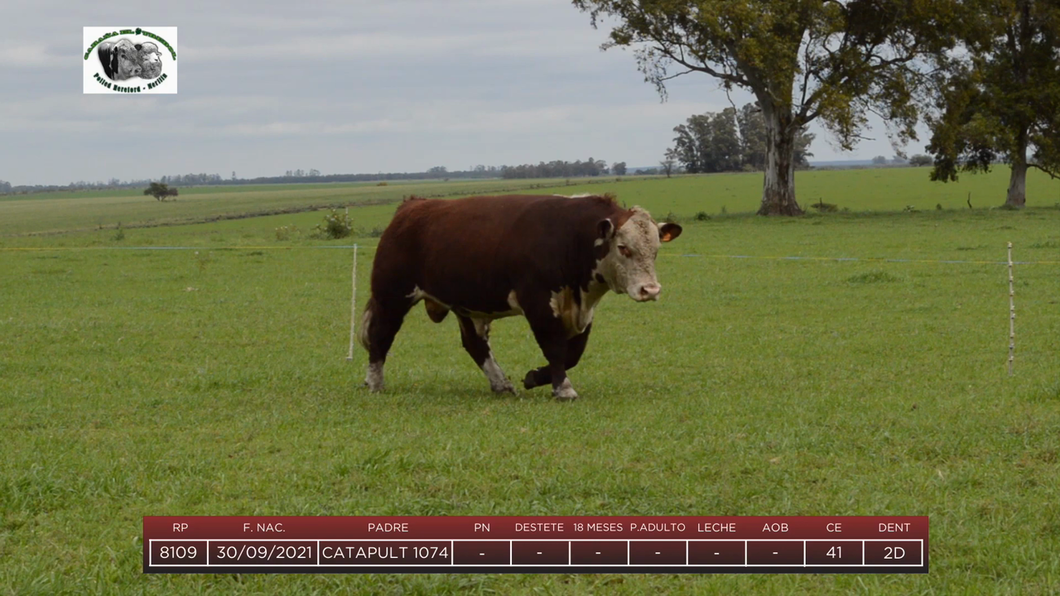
(629,267)
(128,59)
(150,60)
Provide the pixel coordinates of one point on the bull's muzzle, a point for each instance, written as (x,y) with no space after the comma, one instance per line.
(648,292)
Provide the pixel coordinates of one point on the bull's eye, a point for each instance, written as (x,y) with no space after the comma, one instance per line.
(625,251)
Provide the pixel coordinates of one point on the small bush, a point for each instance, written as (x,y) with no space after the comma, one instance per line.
(284,233)
(910,209)
(823,207)
(381,184)
(373,233)
(671,217)
(119,235)
(702,216)
(336,225)
(938,206)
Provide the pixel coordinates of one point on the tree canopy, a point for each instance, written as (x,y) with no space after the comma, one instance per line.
(160,191)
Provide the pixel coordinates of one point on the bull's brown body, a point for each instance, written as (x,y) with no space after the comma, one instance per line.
(485,258)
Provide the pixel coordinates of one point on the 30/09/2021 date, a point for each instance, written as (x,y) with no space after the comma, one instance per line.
(250,553)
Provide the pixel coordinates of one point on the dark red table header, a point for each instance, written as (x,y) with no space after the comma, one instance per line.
(457,528)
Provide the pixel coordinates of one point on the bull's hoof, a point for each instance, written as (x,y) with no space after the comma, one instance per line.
(536,378)
(564,392)
(374,378)
(528,381)
(505,387)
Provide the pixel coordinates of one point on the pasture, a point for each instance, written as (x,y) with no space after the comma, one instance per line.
(212,381)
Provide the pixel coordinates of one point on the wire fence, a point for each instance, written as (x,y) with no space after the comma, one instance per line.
(685,255)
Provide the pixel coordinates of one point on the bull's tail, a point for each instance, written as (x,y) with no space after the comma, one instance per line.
(366,321)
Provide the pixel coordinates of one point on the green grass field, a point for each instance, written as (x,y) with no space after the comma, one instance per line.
(213,381)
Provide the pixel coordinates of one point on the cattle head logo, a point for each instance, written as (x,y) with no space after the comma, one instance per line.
(130,60)
(633,245)
(122,59)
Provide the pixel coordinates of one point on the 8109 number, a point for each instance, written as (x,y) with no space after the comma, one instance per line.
(177,552)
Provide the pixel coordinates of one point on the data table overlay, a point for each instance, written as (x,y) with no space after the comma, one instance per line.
(549,544)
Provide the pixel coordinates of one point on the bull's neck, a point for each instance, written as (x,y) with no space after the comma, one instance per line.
(595,291)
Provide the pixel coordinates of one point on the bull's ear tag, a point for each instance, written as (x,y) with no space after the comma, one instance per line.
(606,229)
(669,231)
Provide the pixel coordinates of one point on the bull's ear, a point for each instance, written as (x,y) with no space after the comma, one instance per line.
(669,231)
(605,229)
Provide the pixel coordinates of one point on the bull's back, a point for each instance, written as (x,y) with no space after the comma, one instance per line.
(461,252)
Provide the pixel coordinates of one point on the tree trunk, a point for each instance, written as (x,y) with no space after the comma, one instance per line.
(1017,187)
(778,192)
(1017,182)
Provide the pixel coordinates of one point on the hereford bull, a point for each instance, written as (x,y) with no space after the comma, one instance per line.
(548,258)
(120,59)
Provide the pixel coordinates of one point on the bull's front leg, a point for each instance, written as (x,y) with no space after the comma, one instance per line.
(575,349)
(552,338)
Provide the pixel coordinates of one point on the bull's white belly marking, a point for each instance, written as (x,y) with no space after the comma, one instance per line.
(417,295)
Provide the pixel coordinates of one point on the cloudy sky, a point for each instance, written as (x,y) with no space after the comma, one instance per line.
(340,86)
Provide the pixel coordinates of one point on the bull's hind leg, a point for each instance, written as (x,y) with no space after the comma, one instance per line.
(474,333)
(381,322)
(575,349)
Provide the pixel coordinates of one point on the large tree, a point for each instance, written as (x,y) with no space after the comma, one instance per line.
(803,60)
(160,191)
(1001,97)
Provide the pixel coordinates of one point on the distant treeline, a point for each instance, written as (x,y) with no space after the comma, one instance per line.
(563,169)
(554,169)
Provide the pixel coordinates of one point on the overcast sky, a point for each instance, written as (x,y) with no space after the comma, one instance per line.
(340,86)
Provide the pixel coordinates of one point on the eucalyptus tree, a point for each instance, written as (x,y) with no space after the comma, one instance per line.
(1000,96)
(830,60)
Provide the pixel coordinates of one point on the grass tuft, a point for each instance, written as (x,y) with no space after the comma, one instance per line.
(876,276)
